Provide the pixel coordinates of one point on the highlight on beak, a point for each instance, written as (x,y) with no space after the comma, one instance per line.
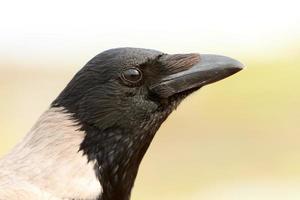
(208,69)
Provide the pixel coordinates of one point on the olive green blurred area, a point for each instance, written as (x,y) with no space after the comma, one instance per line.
(235,139)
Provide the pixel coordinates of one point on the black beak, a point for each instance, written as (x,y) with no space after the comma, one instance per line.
(208,69)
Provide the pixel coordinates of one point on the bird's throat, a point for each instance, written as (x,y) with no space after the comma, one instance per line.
(118,154)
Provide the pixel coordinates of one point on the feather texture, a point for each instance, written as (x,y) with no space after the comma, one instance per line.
(47,163)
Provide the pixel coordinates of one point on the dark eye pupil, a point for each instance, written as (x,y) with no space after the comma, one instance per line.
(132,75)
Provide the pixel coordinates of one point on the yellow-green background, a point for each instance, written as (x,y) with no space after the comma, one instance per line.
(238,139)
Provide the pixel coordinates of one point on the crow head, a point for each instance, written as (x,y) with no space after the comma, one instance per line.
(122,96)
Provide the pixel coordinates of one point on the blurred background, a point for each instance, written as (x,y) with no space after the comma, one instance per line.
(232,140)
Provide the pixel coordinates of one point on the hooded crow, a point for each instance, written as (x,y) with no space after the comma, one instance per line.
(89,144)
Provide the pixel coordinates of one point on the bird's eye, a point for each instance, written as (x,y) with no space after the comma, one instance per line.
(132,75)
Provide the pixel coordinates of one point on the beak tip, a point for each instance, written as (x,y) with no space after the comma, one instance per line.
(239,65)
(236,67)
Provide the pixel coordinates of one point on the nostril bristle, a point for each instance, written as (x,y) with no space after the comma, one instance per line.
(179,62)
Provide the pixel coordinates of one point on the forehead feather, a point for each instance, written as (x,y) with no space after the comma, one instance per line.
(127,57)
